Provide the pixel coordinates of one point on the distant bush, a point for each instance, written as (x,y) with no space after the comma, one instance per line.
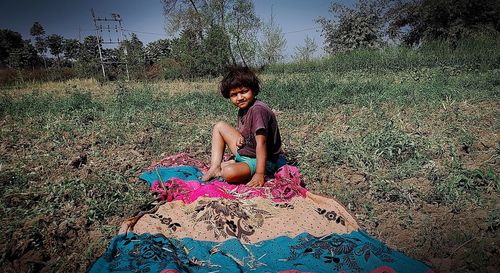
(172,69)
(7,77)
(482,51)
(153,72)
(10,77)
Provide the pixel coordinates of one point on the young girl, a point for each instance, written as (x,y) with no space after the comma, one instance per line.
(255,143)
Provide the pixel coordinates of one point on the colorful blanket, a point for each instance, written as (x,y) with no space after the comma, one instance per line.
(221,227)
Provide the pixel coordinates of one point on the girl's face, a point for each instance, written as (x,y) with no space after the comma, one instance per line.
(241,97)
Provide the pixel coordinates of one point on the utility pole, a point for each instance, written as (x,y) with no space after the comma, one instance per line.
(118,28)
(119,19)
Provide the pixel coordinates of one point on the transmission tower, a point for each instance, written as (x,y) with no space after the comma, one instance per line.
(112,26)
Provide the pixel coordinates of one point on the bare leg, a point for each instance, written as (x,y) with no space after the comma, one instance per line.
(226,163)
(223,134)
(236,172)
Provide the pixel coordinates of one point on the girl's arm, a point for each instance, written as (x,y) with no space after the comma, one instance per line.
(261,156)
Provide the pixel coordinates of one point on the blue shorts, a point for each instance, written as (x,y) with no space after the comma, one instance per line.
(271,167)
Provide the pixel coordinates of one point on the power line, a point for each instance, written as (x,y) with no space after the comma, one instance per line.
(302,30)
(128,30)
(163,34)
(144,32)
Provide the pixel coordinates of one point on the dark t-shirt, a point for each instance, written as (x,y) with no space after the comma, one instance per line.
(259,117)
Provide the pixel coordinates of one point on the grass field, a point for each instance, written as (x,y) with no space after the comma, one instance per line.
(411,149)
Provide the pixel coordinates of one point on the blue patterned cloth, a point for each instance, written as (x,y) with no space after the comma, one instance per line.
(182,172)
(354,252)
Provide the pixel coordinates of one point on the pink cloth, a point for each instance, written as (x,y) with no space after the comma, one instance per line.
(283,187)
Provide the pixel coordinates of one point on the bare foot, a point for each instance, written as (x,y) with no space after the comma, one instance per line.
(211,173)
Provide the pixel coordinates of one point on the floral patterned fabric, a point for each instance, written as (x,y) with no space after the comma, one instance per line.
(353,252)
(182,183)
(219,227)
(249,220)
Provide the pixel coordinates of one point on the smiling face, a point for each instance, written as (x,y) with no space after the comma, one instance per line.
(241,97)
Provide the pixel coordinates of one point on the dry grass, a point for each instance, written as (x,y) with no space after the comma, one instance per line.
(343,131)
(100,90)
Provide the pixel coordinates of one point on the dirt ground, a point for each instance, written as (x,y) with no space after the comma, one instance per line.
(449,241)
(68,238)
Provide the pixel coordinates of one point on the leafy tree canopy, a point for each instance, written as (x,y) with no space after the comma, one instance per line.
(306,51)
(358,27)
(273,43)
(55,44)
(417,21)
(215,59)
(236,18)
(37,29)
(9,42)
(71,48)
(158,49)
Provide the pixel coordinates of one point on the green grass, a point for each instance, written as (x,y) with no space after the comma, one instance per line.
(478,52)
(416,125)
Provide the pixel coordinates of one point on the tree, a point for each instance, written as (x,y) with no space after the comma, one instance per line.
(23,56)
(359,27)
(88,64)
(273,43)
(242,28)
(71,48)
(238,20)
(185,15)
(306,51)
(41,48)
(55,44)
(37,30)
(213,33)
(132,52)
(10,41)
(38,33)
(186,54)
(158,49)
(215,58)
(417,21)
(218,13)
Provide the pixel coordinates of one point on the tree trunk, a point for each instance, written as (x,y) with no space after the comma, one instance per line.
(229,47)
(200,32)
(238,41)
(239,50)
(233,59)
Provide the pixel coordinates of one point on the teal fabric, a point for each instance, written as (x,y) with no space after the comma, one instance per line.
(182,172)
(353,252)
(271,167)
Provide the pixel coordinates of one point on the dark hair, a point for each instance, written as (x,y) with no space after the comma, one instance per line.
(239,77)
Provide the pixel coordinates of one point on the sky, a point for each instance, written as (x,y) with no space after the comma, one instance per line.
(73,19)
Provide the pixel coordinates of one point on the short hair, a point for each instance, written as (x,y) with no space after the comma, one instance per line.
(239,77)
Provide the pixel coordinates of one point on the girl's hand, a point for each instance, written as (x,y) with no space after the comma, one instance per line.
(240,142)
(257,180)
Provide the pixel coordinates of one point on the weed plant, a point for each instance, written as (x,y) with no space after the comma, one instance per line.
(391,118)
